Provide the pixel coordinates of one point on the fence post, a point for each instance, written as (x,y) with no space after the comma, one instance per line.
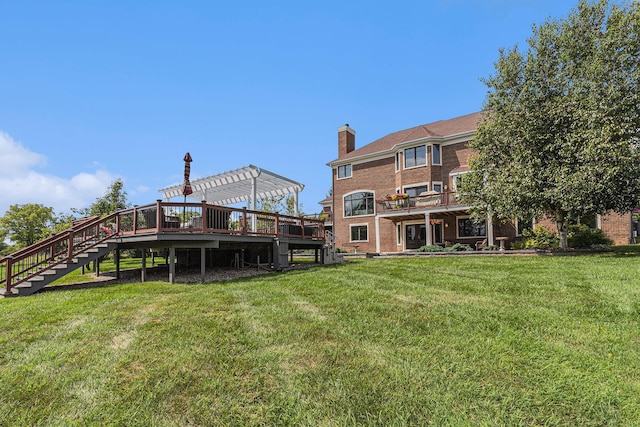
(244,221)
(70,244)
(159,215)
(277,230)
(135,220)
(302,226)
(203,215)
(7,285)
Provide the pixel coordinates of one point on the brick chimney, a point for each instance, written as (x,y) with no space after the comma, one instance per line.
(346,140)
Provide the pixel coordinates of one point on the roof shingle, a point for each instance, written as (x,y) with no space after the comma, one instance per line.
(442,128)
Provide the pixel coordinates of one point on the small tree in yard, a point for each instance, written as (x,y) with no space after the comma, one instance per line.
(26,224)
(561,132)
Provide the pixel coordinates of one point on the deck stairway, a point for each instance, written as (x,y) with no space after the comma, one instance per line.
(30,269)
(50,274)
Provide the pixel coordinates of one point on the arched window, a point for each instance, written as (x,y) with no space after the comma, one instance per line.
(360,203)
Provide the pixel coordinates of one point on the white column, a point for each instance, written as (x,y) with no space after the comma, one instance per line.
(427,218)
(377,223)
(489,231)
(295,203)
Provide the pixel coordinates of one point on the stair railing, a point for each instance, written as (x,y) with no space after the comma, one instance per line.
(59,248)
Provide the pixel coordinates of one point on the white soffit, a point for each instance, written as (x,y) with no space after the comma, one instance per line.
(236,186)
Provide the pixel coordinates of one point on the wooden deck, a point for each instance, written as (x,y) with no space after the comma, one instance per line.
(181,227)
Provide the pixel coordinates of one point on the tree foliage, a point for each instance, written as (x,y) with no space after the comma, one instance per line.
(279,204)
(114,199)
(26,224)
(560,136)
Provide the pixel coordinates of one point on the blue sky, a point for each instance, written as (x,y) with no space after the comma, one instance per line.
(91,91)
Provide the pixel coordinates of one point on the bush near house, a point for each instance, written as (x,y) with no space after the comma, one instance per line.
(540,238)
(581,236)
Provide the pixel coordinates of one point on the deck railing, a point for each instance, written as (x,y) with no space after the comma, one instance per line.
(160,217)
(398,203)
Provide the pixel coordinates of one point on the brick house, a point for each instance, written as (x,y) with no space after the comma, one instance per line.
(398,193)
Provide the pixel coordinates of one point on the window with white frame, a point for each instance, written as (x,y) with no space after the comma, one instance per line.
(359,233)
(415,156)
(436,155)
(469,227)
(436,186)
(522,225)
(399,234)
(397,161)
(357,204)
(344,171)
(415,190)
(456,179)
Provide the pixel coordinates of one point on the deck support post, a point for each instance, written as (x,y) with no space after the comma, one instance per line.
(143,269)
(172,265)
(203,264)
(117,261)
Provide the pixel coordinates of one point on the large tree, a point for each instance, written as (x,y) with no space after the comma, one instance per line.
(26,224)
(114,199)
(561,132)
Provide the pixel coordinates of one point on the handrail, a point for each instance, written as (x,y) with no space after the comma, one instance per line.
(57,249)
(159,217)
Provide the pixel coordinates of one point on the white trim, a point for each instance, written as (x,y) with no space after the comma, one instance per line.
(434,183)
(418,184)
(344,166)
(359,191)
(454,175)
(379,155)
(440,150)
(426,157)
(364,224)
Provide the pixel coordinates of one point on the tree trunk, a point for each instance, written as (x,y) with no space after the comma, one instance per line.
(563,228)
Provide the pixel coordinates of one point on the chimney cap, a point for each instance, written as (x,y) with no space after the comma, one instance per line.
(346,128)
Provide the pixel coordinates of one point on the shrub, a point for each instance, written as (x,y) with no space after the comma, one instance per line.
(540,238)
(518,244)
(430,248)
(458,247)
(582,236)
(490,248)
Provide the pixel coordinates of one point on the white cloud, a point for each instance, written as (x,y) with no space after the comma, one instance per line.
(20,183)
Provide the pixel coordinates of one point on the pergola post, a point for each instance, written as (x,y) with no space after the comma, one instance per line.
(427,219)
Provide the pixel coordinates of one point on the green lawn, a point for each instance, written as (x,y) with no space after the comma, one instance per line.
(458,340)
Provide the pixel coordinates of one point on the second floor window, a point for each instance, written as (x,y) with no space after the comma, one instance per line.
(436,159)
(344,171)
(357,204)
(415,156)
